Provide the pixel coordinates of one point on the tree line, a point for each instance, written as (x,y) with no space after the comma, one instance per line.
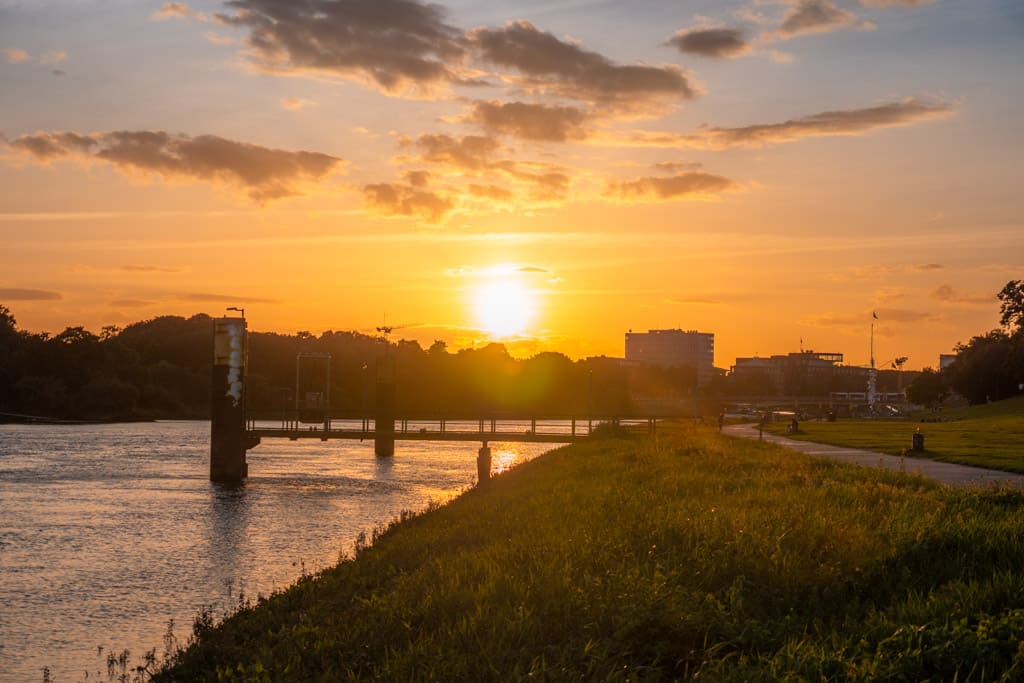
(161,369)
(989,367)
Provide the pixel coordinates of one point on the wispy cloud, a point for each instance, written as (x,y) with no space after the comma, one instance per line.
(817,16)
(15,55)
(840,122)
(18,294)
(691,185)
(206,297)
(947,294)
(262,172)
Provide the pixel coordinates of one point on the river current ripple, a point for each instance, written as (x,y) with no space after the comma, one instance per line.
(107,532)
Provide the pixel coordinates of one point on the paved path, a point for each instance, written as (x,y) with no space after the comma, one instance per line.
(943,472)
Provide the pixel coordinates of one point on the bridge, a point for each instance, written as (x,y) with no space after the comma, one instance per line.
(233,432)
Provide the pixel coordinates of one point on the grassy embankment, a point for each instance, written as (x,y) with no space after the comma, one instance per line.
(627,559)
(984,436)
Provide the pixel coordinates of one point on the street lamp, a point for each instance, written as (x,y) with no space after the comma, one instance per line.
(236,308)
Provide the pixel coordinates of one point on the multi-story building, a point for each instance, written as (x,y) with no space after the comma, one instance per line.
(674,348)
(805,373)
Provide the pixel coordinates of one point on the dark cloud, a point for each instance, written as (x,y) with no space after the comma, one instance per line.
(929,266)
(17,294)
(693,185)
(530,121)
(470,153)
(474,155)
(264,173)
(815,16)
(395,44)
(417,178)
(551,66)
(712,42)
(393,199)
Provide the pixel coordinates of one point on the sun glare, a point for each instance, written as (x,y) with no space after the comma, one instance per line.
(504,308)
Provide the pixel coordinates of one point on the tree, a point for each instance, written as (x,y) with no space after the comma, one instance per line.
(1011,307)
(928,389)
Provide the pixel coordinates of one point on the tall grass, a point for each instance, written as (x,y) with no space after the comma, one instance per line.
(637,559)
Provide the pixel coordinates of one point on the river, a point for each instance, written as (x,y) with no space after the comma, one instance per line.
(107,532)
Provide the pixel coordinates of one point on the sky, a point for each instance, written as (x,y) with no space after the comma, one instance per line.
(544,174)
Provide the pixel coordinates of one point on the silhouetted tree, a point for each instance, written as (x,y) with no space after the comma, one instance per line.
(927,389)
(1011,306)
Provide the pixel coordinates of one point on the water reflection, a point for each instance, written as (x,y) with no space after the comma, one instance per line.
(107,532)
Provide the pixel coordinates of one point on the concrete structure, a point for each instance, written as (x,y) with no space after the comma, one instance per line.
(673,349)
(228,441)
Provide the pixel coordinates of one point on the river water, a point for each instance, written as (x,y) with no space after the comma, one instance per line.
(107,532)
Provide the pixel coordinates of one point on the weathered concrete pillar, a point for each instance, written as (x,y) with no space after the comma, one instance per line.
(483,464)
(227,402)
(384,420)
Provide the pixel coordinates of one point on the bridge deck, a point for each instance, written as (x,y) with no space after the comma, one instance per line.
(417,435)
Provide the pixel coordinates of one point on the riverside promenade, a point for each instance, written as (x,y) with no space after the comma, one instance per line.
(946,473)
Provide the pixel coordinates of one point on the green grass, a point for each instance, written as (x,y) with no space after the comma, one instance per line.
(627,559)
(984,436)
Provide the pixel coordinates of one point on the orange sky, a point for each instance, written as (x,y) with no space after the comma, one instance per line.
(769,171)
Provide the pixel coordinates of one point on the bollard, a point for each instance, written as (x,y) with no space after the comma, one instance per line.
(483,464)
(918,441)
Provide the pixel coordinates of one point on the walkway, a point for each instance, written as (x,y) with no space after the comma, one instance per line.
(943,472)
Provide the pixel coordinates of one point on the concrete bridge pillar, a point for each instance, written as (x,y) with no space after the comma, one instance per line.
(227,402)
(384,420)
(483,464)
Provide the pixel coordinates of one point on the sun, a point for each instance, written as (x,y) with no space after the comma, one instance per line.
(504,308)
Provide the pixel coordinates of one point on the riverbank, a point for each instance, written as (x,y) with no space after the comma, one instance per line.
(635,559)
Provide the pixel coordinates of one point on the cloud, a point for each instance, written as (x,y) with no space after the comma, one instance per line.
(16,55)
(125,269)
(814,16)
(530,121)
(474,155)
(471,152)
(131,303)
(678,166)
(895,3)
(205,297)
(295,103)
(722,43)
(928,266)
(845,122)
(550,66)
(262,172)
(53,57)
(492,192)
(174,10)
(692,185)
(692,301)
(17,294)
(396,45)
(947,294)
(393,199)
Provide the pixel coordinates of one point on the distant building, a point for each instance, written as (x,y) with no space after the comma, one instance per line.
(945,360)
(805,373)
(672,349)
